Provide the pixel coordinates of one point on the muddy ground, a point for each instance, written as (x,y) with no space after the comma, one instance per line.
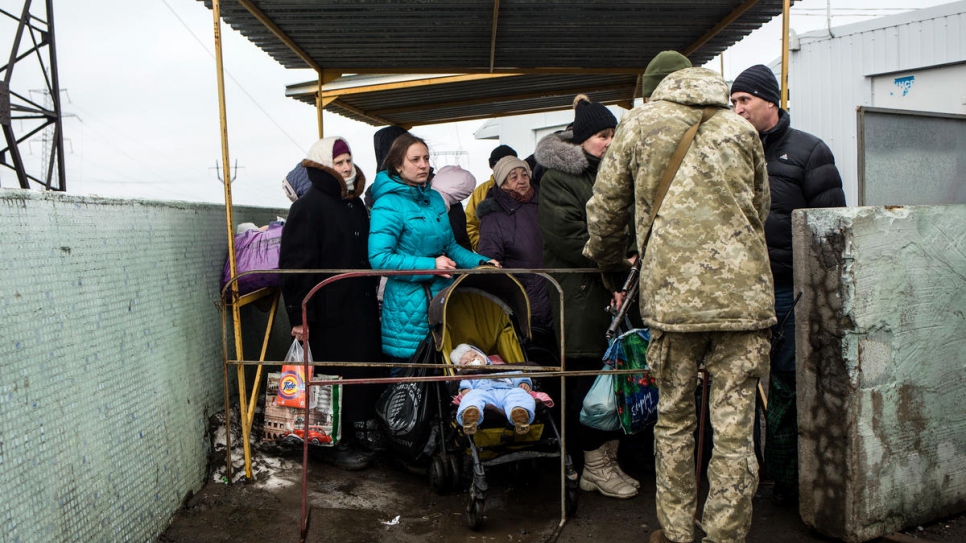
(387,503)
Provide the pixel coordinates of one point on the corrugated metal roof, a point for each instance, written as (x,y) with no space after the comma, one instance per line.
(427,36)
(554,49)
(430,100)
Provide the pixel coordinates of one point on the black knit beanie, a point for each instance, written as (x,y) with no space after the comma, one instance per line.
(590,118)
(758,81)
(382,141)
(500,152)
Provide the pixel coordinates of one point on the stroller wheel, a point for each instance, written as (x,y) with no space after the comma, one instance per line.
(438,475)
(455,467)
(474,513)
(570,505)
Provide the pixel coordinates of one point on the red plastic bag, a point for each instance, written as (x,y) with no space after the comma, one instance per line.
(291,385)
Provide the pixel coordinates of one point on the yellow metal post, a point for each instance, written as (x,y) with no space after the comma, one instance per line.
(319,106)
(786,15)
(230,221)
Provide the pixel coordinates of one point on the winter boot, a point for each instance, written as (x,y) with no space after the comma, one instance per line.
(611,448)
(471,418)
(600,474)
(657,536)
(520,418)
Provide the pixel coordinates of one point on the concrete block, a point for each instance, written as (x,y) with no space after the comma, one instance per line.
(881,338)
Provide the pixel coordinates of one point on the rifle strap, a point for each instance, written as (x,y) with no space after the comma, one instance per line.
(672,168)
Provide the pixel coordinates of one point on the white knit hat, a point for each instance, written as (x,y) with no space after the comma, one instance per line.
(462,349)
(321,153)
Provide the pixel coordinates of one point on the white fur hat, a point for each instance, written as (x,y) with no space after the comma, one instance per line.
(462,349)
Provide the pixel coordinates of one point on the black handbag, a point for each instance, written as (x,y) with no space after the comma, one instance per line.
(404,408)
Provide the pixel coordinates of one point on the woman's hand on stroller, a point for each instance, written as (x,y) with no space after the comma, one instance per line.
(444,262)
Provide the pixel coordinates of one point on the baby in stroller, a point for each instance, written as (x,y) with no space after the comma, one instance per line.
(511,394)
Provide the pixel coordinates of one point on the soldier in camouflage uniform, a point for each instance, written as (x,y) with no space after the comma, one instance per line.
(705,288)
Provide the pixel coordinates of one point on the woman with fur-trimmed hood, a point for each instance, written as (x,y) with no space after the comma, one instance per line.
(571,159)
(328,228)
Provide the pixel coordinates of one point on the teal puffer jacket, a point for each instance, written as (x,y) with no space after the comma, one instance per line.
(409,229)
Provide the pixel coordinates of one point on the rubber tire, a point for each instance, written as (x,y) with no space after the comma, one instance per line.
(455,467)
(474,513)
(570,505)
(438,475)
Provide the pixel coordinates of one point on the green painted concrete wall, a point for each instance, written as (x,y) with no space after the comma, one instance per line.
(881,339)
(110,361)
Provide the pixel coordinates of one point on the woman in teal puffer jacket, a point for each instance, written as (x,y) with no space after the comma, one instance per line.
(410,230)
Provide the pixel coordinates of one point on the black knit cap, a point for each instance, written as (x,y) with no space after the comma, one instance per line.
(500,152)
(382,141)
(758,81)
(590,118)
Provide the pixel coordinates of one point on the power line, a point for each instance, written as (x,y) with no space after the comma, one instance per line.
(240,86)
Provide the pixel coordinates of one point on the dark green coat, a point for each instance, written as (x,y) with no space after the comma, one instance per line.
(565,189)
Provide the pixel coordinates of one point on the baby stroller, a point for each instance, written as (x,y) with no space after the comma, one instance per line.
(491,312)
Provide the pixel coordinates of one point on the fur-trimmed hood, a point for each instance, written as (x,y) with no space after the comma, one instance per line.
(360,184)
(558,152)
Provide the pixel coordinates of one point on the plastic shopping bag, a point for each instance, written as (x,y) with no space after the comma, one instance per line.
(291,385)
(600,405)
(285,412)
(636,394)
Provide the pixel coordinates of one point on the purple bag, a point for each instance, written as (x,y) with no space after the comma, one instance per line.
(256,250)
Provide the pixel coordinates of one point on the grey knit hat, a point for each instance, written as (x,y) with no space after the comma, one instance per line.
(758,81)
(502,169)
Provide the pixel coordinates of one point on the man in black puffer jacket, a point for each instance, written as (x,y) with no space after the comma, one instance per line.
(801,174)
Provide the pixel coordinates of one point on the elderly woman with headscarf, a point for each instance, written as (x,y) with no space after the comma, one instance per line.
(510,233)
(328,228)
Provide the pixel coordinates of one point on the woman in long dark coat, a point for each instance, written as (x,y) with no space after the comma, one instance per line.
(572,159)
(328,228)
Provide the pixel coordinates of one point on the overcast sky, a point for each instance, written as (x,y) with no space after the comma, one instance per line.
(141,104)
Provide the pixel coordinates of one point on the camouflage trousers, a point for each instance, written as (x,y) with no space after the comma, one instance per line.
(735,361)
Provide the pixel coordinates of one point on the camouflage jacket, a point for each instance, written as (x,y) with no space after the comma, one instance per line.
(706,265)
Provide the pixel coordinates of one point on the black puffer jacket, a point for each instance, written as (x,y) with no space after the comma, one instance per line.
(801,174)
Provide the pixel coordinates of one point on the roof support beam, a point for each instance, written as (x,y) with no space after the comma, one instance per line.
(567,93)
(376,118)
(427,82)
(542,109)
(496,18)
(436,70)
(270,24)
(724,23)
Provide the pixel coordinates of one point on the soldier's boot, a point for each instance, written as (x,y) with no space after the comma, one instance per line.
(657,536)
(611,448)
(600,475)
